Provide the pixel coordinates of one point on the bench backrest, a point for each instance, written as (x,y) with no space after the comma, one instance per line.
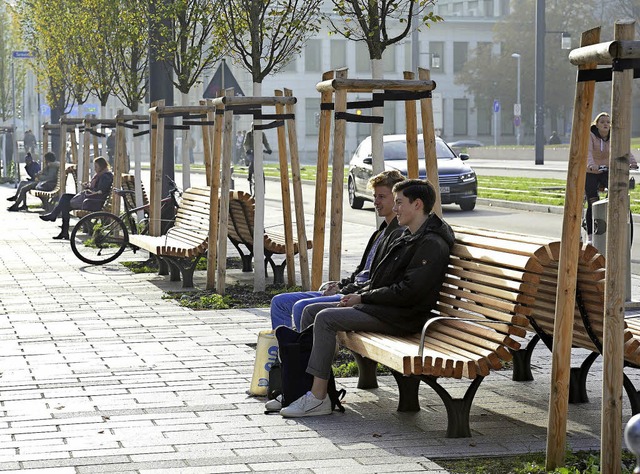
(242,208)
(491,278)
(192,219)
(128,183)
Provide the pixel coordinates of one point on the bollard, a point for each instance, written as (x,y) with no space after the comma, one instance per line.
(266,355)
(599,215)
(632,439)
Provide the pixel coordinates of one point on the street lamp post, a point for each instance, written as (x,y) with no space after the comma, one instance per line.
(517,111)
(541,30)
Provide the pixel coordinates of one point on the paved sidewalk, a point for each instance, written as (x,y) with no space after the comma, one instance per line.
(99,373)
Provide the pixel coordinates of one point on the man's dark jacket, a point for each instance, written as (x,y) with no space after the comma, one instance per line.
(391,231)
(405,283)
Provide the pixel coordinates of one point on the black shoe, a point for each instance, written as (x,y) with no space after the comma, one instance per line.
(48,217)
(13,208)
(62,236)
(24,207)
(12,198)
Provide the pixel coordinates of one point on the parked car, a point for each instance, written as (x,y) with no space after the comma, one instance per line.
(465,144)
(458,183)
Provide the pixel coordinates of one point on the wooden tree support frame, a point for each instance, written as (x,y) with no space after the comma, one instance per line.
(334,89)
(622,53)
(216,117)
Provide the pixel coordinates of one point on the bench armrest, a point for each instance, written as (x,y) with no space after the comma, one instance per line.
(423,334)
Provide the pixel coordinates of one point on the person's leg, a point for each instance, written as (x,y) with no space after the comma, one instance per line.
(300,305)
(63,206)
(21,200)
(282,305)
(310,311)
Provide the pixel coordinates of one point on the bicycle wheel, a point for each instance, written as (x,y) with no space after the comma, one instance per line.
(99,238)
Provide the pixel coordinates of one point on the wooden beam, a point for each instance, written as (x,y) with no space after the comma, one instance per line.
(568,265)
(369,85)
(604,53)
(617,261)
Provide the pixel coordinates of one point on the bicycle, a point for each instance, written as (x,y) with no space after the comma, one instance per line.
(101,237)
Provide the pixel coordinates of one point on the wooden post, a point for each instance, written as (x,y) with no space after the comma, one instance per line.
(429,140)
(337,182)
(118,162)
(213,180)
(157,172)
(322,173)
(297,195)
(207,140)
(413,169)
(225,186)
(568,266)
(45,141)
(86,141)
(617,261)
(62,175)
(286,198)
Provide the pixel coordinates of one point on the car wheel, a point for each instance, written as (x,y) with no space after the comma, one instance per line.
(354,201)
(468,205)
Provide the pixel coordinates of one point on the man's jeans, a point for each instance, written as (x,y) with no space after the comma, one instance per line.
(286,308)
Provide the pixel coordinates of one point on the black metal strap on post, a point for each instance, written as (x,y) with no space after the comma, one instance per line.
(96,133)
(326,106)
(127,125)
(606,74)
(176,127)
(197,122)
(358,118)
(139,134)
(267,126)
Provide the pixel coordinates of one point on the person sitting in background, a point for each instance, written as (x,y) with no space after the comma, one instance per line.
(45,180)
(598,165)
(32,168)
(91,199)
(286,308)
(554,139)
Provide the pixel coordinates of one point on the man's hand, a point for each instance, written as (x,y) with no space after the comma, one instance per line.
(350,300)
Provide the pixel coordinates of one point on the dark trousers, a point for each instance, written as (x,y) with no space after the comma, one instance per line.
(591,186)
(63,208)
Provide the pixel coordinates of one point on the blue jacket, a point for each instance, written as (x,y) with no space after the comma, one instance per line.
(32,170)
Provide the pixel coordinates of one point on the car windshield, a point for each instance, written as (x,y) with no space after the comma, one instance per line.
(397,150)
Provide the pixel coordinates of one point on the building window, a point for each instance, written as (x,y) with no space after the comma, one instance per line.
(312,116)
(389,59)
(460,113)
(488,8)
(313,56)
(338,54)
(363,63)
(460,55)
(436,49)
(484,117)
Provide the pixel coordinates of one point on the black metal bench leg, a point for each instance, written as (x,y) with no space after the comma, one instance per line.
(278,273)
(163,267)
(366,372)
(408,392)
(174,269)
(578,380)
(187,271)
(632,393)
(522,361)
(458,409)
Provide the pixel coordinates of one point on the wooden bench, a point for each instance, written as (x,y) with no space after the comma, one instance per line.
(240,231)
(50,198)
(588,318)
(485,303)
(184,243)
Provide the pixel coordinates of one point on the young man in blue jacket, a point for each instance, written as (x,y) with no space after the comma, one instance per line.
(402,291)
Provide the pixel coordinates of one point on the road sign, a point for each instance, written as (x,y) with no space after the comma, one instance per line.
(496,105)
(516,110)
(22,54)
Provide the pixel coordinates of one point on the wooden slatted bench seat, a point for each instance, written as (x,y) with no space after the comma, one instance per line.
(187,241)
(485,303)
(240,231)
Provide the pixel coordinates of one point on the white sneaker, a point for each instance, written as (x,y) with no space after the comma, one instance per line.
(307,405)
(274,405)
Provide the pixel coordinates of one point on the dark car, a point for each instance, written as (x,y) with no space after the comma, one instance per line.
(458,183)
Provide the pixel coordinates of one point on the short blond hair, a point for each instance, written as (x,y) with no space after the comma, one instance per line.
(386,178)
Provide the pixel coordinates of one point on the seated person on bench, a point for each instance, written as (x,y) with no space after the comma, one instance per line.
(286,308)
(91,199)
(45,180)
(32,168)
(402,291)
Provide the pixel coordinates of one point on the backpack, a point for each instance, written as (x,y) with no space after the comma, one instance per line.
(290,377)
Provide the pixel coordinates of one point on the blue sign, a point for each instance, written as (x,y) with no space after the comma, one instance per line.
(22,54)
(496,105)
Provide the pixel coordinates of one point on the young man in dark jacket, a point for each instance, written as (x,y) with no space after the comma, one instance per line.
(402,291)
